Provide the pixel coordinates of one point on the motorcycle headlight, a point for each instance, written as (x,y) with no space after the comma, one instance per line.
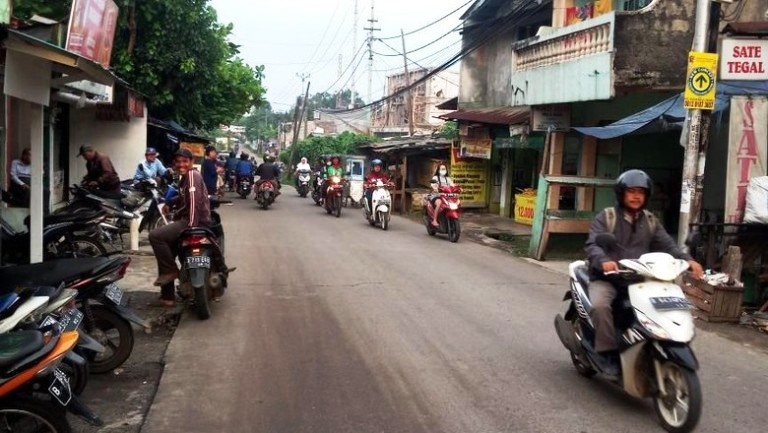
(335,179)
(453,206)
(651,326)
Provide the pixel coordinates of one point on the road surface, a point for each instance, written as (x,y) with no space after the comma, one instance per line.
(332,326)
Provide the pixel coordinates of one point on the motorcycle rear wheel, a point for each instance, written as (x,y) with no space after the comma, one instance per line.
(685,386)
(105,327)
(203,301)
(82,246)
(36,414)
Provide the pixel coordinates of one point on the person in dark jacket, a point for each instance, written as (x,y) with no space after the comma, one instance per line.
(210,170)
(100,171)
(637,233)
(269,172)
(192,210)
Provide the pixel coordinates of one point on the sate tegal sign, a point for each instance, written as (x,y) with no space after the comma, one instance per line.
(744,59)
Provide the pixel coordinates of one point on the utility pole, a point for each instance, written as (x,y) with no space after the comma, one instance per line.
(298,119)
(698,131)
(408,99)
(339,101)
(303,110)
(354,51)
(371,29)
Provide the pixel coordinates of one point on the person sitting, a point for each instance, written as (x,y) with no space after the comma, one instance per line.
(302,166)
(101,173)
(192,209)
(21,179)
(376,174)
(244,169)
(150,167)
(269,172)
(637,232)
(332,168)
(440,178)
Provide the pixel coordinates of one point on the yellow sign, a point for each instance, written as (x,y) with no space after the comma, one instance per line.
(701,81)
(472,177)
(525,206)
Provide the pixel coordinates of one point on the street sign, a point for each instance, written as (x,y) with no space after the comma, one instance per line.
(701,81)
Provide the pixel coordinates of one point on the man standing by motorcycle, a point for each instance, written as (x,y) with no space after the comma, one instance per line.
(192,208)
(100,171)
(150,167)
(269,172)
(637,232)
(377,173)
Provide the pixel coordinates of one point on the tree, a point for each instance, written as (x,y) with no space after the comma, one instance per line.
(177,54)
(314,147)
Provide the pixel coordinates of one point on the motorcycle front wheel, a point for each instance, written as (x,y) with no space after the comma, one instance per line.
(679,407)
(384,220)
(20,414)
(82,246)
(337,206)
(454,230)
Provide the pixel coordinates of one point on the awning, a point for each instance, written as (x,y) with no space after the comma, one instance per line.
(451,104)
(496,116)
(659,117)
(74,66)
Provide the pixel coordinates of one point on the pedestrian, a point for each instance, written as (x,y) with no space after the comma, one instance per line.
(210,170)
(21,178)
(100,171)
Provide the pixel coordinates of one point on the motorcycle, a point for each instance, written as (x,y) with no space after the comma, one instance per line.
(448,220)
(303,183)
(265,193)
(654,326)
(244,186)
(379,211)
(99,298)
(201,280)
(317,189)
(334,195)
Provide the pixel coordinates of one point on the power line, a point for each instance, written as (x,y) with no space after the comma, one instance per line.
(423,46)
(430,24)
(325,32)
(357,54)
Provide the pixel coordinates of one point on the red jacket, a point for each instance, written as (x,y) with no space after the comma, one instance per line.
(196,208)
(373,176)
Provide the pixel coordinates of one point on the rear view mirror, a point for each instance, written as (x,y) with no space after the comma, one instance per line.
(606,240)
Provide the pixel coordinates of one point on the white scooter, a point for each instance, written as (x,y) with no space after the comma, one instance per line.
(379,213)
(654,329)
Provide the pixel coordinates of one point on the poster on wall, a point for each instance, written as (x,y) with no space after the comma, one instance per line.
(577,11)
(476,147)
(747,151)
(472,176)
(92,29)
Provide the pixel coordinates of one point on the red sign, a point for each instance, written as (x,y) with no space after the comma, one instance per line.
(92,29)
(135,106)
(744,59)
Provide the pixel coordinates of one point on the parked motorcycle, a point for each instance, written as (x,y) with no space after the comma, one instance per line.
(448,220)
(265,193)
(317,189)
(201,278)
(303,183)
(244,186)
(99,298)
(334,195)
(654,327)
(381,203)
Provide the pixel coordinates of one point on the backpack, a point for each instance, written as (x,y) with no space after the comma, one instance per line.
(610,220)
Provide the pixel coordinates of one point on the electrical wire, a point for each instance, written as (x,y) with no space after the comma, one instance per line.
(325,33)
(423,46)
(432,23)
(355,57)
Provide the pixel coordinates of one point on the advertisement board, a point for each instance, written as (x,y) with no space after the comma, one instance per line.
(472,176)
(744,59)
(476,147)
(747,151)
(92,29)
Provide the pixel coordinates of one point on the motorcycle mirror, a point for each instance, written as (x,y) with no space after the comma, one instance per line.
(606,240)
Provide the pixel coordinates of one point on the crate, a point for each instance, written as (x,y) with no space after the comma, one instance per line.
(714,303)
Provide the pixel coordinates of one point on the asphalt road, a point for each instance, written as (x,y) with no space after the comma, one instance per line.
(332,326)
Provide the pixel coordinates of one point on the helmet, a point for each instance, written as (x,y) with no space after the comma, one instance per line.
(633,179)
(186,153)
(150,151)
(269,158)
(376,162)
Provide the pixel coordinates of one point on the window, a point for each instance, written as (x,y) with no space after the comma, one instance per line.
(633,5)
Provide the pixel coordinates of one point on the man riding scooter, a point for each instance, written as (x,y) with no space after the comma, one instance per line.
(244,169)
(377,173)
(269,172)
(637,232)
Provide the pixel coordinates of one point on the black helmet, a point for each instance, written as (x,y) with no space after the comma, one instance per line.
(633,179)
(376,162)
(186,153)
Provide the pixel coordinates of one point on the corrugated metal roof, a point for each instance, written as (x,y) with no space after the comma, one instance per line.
(754,28)
(408,145)
(451,104)
(497,116)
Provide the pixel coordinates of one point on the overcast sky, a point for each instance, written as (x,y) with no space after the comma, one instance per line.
(291,37)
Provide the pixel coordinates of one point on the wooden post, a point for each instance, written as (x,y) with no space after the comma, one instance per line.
(585,197)
(555,167)
(733,263)
(403,200)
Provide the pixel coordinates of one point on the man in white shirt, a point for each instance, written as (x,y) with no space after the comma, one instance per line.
(21,176)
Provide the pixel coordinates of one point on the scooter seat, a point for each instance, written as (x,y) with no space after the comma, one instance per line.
(62,218)
(15,346)
(107,194)
(50,273)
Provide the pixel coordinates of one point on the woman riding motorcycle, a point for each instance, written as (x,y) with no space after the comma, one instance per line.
(441,178)
(332,169)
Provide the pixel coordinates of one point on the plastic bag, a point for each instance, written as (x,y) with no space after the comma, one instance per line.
(756,210)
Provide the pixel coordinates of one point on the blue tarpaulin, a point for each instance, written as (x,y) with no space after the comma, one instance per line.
(671,111)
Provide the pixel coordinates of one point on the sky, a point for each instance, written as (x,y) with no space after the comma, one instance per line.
(292,37)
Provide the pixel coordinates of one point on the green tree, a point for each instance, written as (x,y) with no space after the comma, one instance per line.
(177,54)
(314,147)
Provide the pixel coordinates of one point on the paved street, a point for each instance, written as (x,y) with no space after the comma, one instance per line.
(331,326)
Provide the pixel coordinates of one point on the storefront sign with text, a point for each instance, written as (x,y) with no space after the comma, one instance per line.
(744,59)
(472,176)
(92,29)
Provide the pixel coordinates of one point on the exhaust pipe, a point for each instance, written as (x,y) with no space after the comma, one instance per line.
(215,281)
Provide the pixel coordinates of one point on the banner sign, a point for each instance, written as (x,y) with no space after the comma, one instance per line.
(472,177)
(747,151)
(554,118)
(92,29)
(476,147)
(744,59)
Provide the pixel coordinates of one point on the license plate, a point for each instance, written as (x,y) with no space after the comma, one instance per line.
(59,388)
(70,320)
(198,262)
(114,293)
(48,321)
(384,201)
(670,303)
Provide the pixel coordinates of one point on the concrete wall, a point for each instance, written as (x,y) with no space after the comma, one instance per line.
(486,73)
(123,142)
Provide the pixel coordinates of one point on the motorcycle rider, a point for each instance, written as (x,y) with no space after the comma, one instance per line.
(231,169)
(637,233)
(244,168)
(100,171)
(439,179)
(377,173)
(192,210)
(269,172)
(302,166)
(150,167)
(332,168)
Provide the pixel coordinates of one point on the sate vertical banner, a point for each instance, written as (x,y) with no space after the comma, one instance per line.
(747,151)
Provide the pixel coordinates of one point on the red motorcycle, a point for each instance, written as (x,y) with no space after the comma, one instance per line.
(266,193)
(334,194)
(448,220)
